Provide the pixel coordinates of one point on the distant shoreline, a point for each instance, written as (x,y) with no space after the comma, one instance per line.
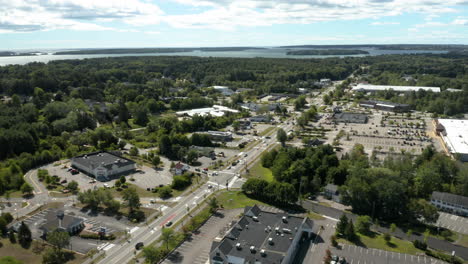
(327,52)
(150,50)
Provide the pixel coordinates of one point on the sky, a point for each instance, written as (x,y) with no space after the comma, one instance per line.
(67,24)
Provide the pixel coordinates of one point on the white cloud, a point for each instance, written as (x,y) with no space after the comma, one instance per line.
(229,14)
(460,21)
(33,15)
(152,32)
(384,23)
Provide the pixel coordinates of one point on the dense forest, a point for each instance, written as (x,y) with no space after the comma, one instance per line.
(65,108)
(395,188)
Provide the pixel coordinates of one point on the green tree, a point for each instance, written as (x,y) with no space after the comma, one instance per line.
(281,136)
(26,188)
(349,233)
(133,151)
(59,239)
(152,255)
(73,186)
(341,225)
(387,237)
(192,156)
(12,237)
(122,179)
(167,234)
(131,197)
(213,204)
(156,161)
(165,192)
(24,235)
(236,125)
(363,224)
(393,228)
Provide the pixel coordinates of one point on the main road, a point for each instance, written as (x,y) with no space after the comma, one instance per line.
(124,252)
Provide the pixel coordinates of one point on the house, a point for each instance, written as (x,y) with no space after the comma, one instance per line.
(261,237)
(180,168)
(347,117)
(58,220)
(331,192)
(103,165)
(452,203)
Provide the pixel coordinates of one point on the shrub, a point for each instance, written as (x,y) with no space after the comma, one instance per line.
(444,257)
(420,244)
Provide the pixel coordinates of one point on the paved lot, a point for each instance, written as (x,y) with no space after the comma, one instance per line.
(196,250)
(360,255)
(150,178)
(453,222)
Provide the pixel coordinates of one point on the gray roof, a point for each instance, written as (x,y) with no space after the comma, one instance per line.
(256,232)
(106,159)
(450,198)
(53,221)
(254,209)
(392,104)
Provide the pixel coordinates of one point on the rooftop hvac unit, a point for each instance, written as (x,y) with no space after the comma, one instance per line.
(285,219)
(287,231)
(262,252)
(277,229)
(255,218)
(238,246)
(270,241)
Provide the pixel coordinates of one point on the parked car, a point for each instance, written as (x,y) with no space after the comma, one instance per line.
(139,245)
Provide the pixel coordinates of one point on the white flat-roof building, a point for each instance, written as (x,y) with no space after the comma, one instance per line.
(402,89)
(215,110)
(454,132)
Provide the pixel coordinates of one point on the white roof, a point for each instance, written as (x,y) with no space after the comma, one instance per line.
(219,87)
(371,87)
(216,110)
(457,135)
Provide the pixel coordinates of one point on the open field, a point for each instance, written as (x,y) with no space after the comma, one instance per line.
(377,241)
(236,199)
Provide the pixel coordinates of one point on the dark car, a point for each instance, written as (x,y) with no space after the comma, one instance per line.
(168,224)
(139,245)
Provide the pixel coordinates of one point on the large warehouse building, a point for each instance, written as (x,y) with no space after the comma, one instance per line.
(262,237)
(103,165)
(401,89)
(454,132)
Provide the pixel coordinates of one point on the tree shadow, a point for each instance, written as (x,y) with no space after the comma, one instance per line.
(175,257)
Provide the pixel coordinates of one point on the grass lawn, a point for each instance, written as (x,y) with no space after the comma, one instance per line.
(261,172)
(315,216)
(266,131)
(236,199)
(27,255)
(462,240)
(377,241)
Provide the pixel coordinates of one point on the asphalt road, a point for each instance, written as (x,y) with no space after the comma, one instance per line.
(432,242)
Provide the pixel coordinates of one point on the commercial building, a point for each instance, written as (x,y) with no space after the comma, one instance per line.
(103,165)
(386,106)
(219,135)
(401,89)
(215,110)
(262,237)
(347,117)
(180,168)
(454,133)
(224,90)
(256,107)
(260,119)
(58,220)
(452,203)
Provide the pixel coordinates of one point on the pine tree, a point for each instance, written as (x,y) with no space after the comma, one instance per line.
(24,235)
(349,231)
(342,224)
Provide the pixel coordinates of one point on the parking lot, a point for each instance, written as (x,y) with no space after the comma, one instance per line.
(146,177)
(360,255)
(196,249)
(453,222)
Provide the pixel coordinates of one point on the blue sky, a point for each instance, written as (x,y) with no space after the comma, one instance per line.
(29,24)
